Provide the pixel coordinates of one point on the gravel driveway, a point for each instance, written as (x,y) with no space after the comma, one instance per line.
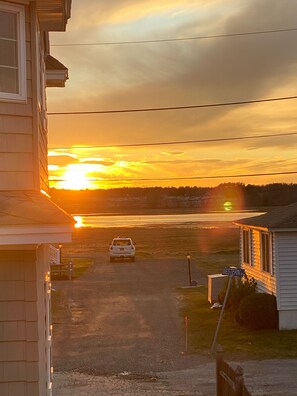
(123,336)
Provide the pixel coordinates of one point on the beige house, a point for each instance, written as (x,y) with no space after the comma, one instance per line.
(268,245)
(29,221)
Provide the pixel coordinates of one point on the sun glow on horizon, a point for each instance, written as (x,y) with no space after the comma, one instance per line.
(76,177)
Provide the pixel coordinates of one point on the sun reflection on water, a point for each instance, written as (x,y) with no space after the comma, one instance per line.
(79,221)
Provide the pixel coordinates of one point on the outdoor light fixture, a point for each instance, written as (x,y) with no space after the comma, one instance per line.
(189,268)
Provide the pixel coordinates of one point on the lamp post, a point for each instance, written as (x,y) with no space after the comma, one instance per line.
(60,254)
(189,268)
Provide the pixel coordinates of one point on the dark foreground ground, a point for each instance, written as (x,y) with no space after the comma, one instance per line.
(118,332)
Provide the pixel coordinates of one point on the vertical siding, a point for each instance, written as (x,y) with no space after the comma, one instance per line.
(266,283)
(44,368)
(16,134)
(41,124)
(287,270)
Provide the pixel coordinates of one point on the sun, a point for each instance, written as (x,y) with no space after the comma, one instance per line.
(76,177)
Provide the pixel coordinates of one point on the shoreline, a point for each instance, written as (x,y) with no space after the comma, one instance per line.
(159,212)
(163,220)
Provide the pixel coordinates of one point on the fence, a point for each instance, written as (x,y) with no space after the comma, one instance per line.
(62,269)
(54,255)
(57,267)
(230,382)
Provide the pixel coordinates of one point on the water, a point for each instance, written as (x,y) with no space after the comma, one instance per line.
(166,220)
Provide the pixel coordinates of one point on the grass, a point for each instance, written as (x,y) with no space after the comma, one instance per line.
(211,250)
(238,342)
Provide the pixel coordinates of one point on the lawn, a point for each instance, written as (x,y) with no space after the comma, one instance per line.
(237,342)
(211,250)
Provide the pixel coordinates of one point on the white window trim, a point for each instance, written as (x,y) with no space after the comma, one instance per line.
(20,13)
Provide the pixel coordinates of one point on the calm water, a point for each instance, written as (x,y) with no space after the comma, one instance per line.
(166,220)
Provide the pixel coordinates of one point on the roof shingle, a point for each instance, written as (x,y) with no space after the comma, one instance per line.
(30,208)
(283,217)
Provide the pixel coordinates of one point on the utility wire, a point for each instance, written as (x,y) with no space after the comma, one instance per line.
(234,138)
(173,107)
(176,39)
(183,178)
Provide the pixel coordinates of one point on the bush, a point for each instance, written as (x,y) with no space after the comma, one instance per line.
(240,288)
(258,311)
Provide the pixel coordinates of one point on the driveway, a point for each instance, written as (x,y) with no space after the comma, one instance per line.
(123,336)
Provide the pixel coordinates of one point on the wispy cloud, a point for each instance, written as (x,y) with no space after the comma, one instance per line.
(178,73)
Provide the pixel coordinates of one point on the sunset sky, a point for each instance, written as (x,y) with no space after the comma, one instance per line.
(169,74)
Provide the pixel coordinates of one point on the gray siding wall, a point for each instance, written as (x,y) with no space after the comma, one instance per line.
(23,368)
(287,270)
(23,129)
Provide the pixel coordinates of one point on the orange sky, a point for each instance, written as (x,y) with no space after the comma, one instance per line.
(176,73)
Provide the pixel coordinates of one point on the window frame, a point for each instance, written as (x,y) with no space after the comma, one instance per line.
(247,246)
(21,95)
(266,252)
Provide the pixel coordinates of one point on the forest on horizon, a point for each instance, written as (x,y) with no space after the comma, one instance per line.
(241,197)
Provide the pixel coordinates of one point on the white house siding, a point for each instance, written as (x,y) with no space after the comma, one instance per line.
(287,270)
(266,283)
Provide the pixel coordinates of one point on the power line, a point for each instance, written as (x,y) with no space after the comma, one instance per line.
(150,109)
(176,39)
(182,178)
(234,138)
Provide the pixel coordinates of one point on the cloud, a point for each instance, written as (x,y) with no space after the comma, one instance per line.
(179,73)
(61,160)
(123,11)
(97,162)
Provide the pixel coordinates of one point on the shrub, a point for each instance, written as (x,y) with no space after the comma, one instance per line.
(240,288)
(258,311)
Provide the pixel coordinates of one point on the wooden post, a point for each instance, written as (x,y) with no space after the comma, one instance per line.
(186,333)
(70,269)
(212,350)
(219,359)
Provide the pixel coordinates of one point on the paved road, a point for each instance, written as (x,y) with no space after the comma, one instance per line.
(123,336)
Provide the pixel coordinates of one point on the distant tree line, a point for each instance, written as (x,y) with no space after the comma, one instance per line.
(240,196)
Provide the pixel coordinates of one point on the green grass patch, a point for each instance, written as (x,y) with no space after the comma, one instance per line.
(237,341)
(80,265)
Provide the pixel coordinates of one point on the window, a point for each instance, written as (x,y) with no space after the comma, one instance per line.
(12,52)
(246,246)
(266,261)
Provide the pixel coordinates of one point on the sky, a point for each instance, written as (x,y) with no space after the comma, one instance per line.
(171,74)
